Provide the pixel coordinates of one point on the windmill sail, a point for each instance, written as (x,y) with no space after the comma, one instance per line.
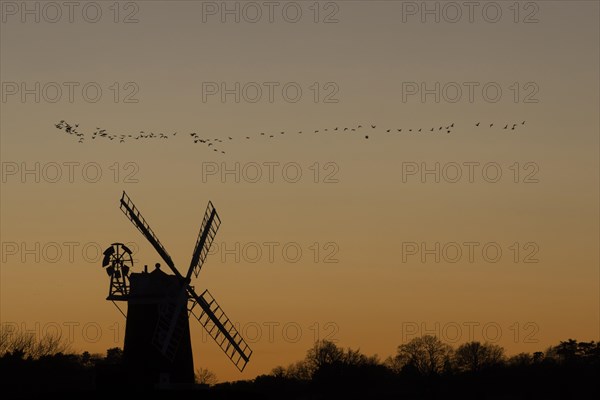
(221,329)
(208,230)
(134,215)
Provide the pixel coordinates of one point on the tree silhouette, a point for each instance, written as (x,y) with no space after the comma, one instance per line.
(323,354)
(520,360)
(427,354)
(474,356)
(114,355)
(28,346)
(299,370)
(205,376)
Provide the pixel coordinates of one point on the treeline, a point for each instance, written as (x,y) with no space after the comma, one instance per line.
(30,367)
(427,368)
(424,368)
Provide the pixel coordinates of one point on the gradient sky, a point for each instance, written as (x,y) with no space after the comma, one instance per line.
(370,298)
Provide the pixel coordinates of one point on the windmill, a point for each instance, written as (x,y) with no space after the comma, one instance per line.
(157,346)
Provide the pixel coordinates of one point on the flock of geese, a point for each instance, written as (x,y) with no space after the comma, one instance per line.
(216,143)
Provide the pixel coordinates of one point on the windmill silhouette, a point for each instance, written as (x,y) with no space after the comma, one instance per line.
(157,348)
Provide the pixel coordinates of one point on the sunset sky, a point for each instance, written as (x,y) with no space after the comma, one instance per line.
(362,214)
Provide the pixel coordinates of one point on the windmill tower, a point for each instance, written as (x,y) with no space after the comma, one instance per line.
(157,347)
